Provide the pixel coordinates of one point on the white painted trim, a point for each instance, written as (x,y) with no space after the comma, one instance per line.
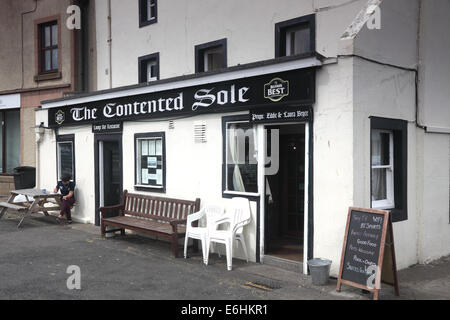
(306,202)
(437,130)
(261,143)
(9,101)
(280,67)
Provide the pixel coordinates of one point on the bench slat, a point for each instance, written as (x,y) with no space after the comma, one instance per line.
(144,224)
(12,206)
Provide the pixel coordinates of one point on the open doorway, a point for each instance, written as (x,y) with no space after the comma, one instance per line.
(285,195)
(108,172)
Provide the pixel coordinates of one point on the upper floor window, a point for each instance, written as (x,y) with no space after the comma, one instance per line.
(148,12)
(295,36)
(149,68)
(211,56)
(48,47)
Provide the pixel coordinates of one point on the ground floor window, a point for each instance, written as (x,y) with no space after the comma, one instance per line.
(65,156)
(9,140)
(382,169)
(240,163)
(389,166)
(150,160)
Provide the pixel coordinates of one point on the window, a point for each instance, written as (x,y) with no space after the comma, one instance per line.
(382,169)
(389,166)
(148,12)
(150,161)
(48,47)
(65,156)
(296,36)
(211,56)
(240,158)
(9,140)
(149,68)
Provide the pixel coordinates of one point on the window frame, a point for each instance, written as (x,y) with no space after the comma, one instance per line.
(399,128)
(225,192)
(51,48)
(142,67)
(201,49)
(69,138)
(282,27)
(143,136)
(143,13)
(389,202)
(40,73)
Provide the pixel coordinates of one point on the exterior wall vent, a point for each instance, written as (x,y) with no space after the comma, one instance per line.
(171,125)
(200,132)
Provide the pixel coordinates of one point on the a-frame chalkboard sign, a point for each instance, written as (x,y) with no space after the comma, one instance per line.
(368,255)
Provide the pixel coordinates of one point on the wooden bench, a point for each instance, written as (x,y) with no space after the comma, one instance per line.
(158,216)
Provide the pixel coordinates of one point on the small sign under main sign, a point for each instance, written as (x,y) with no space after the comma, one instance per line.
(280,114)
(107,127)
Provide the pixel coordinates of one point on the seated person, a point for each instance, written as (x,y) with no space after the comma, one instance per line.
(67,190)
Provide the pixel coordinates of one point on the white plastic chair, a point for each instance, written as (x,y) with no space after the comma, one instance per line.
(237,216)
(212,212)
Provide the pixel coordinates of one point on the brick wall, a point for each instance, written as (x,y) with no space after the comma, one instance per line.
(6,185)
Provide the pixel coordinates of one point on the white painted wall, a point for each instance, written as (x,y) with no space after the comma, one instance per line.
(192,170)
(387,92)
(249,27)
(434,69)
(390,92)
(84,210)
(333,159)
(435,216)
(396,41)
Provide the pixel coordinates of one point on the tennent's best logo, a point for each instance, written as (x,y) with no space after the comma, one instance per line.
(276,89)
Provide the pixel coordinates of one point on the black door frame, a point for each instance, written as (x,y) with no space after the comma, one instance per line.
(310,169)
(105,137)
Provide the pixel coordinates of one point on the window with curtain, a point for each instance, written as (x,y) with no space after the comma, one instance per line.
(241,159)
(389,166)
(295,36)
(382,169)
(211,56)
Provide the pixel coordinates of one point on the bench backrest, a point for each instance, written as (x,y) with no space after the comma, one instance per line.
(158,208)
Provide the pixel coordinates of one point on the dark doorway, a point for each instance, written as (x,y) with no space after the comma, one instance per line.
(108,172)
(285,192)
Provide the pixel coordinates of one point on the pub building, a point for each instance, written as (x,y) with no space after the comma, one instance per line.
(241,132)
(303,137)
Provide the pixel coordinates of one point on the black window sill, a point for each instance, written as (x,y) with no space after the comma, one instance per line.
(147,23)
(48,76)
(150,189)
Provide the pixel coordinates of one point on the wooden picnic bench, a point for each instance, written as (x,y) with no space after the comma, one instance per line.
(35,202)
(164,217)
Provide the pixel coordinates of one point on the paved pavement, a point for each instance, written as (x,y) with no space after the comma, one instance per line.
(34,262)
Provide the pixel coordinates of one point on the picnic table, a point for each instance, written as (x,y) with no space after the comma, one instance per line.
(36,199)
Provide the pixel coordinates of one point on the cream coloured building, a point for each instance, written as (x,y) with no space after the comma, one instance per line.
(357,120)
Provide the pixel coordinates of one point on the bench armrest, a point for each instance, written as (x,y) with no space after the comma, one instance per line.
(110,208)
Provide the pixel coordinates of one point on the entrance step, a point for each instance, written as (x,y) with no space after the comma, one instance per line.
(285,264)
